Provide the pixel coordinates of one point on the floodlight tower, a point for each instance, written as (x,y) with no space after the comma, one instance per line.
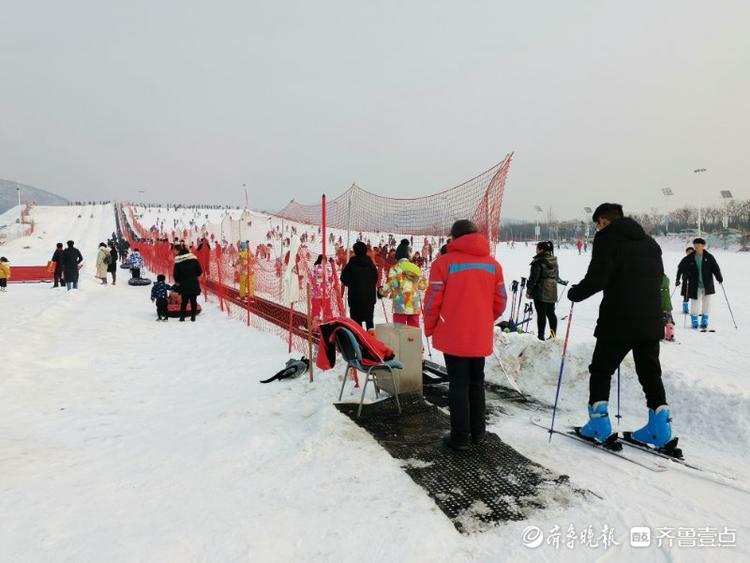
(667,192)
(726,195)
(537,229)
(700,211)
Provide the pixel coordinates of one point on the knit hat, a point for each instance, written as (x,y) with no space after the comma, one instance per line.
(402,251)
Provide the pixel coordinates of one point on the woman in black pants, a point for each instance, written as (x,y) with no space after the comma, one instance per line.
(187,270)
(542,287)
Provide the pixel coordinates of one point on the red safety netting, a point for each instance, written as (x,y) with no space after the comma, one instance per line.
(479,199)
(22,227)
(249,284)
(245,285)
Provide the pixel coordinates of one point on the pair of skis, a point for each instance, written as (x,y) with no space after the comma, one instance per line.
(614,445)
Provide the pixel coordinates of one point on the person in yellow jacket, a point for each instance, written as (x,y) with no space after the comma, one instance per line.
(245,265)
(4,273)
(405,281)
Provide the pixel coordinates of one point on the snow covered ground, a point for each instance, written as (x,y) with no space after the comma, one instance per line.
(124,439)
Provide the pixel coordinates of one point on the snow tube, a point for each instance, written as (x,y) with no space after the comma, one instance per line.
(139,281)
(173,310)
(124,267)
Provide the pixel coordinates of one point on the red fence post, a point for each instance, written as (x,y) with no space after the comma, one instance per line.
(324,284)
(247,283)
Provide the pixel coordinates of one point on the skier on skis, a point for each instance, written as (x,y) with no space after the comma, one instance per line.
(626,266)
(700,273)
(682,273)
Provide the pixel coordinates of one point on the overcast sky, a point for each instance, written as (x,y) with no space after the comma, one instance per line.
(188,100)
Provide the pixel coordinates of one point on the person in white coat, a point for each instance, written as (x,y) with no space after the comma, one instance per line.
(103,258)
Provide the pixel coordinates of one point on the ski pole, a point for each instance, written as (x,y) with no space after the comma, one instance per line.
(521,295)
(429,350)
(384,313)
(617,416)
(514,290)
(728,305)
(562,367)
(508,376)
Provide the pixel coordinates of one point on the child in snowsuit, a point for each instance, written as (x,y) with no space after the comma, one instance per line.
(405,281)
(159,295)
(4,273)
(136,263)
(666,308)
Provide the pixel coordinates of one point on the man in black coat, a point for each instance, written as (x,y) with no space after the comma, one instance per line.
(71,260)
(698,271)
(682,274)
(360,276)
(57,258)
(626,266)
(186,272)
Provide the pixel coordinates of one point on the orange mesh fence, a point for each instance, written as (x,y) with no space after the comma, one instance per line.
(479,199)
(244,255)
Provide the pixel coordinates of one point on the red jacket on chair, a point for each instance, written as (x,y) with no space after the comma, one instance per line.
(465,295)
(374,351)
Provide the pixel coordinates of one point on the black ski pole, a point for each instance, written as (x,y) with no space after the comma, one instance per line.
(562,367)
(617,416)
(728,305)
(514,290)
(520,297)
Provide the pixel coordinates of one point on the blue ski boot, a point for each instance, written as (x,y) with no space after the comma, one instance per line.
(694,320)
(598,428)
(658,431)
(704,322)
(685,308)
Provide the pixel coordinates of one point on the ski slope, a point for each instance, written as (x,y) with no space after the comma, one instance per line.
(124,439)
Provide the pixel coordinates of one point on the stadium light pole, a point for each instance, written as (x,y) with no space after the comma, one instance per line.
(537,229)
(700,210)
(20,210)
(726,195)
(667,192)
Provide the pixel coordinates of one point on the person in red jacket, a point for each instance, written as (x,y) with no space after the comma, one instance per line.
(465,296)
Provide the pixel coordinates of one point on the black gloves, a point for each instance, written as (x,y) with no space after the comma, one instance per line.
(572,294)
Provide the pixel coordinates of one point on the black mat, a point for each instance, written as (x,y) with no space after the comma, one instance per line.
(477,489)
(435,387)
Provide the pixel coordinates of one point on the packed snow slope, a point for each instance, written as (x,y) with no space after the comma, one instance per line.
(124,439)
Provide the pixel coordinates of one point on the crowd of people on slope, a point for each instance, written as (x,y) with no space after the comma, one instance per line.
(466,294)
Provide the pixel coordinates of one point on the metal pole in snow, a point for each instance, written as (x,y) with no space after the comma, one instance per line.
(562,367)
(324,263)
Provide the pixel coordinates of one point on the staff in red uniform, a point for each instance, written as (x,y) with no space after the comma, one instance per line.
(465,296)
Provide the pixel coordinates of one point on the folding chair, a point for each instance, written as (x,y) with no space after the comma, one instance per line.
(352,353)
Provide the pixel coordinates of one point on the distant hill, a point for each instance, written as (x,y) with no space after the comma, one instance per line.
(9,198)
